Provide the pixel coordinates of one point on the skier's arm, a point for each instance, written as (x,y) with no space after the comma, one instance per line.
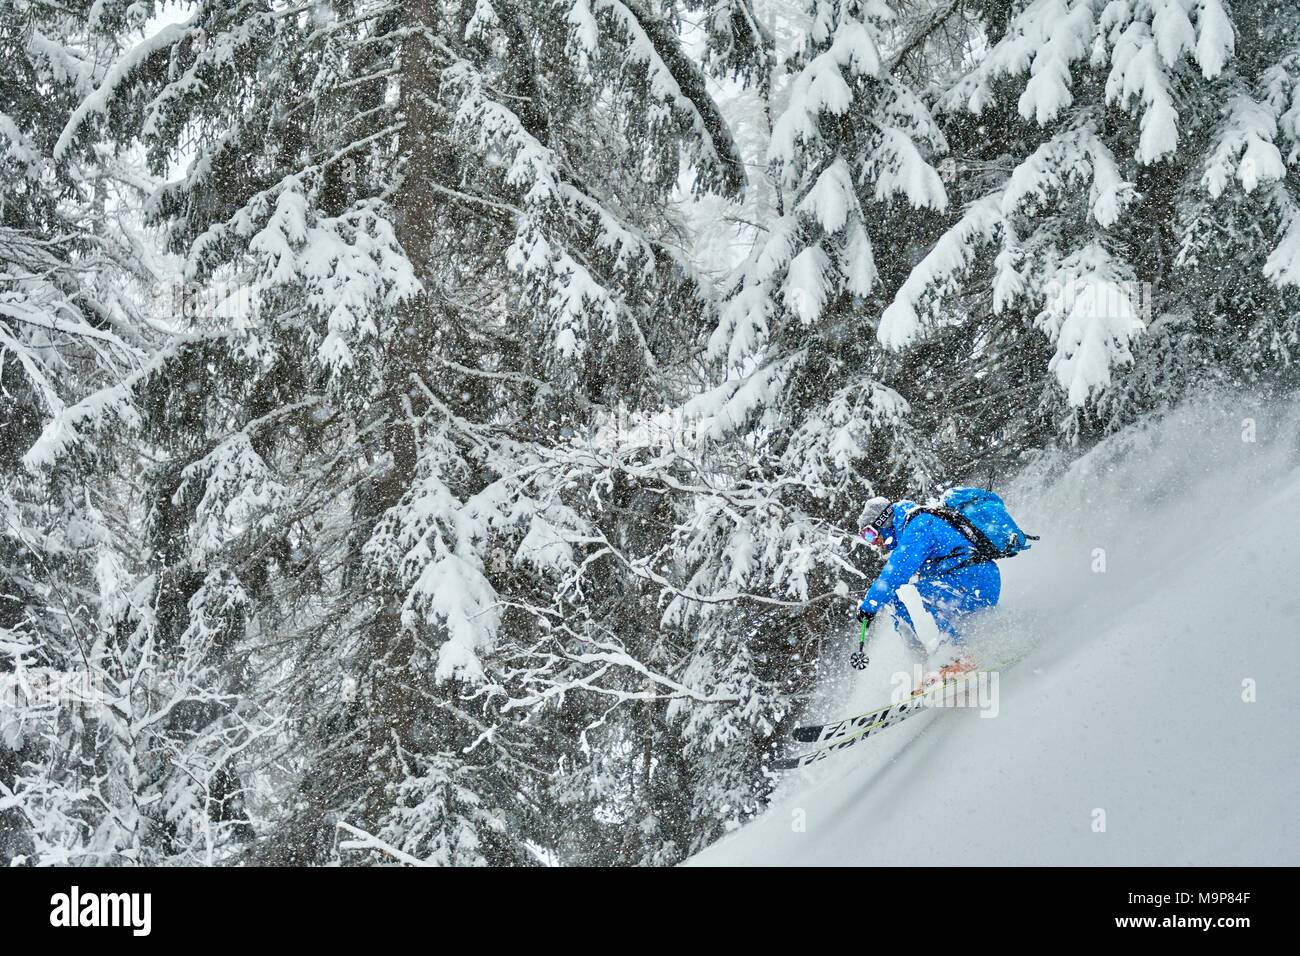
(904,561)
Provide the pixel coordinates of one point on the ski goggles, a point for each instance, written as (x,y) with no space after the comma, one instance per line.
(874,536)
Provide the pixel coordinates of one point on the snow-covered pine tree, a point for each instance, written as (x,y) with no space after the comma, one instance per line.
(380,520)
(1232,272)
(1124,186)
(67,325)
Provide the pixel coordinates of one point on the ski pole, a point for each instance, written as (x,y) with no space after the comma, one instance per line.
(859,660)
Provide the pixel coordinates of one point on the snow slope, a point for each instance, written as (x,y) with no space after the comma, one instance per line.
(1129,710)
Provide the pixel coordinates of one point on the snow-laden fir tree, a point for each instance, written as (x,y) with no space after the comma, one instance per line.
(67,325)
(1122,225)
(382,537)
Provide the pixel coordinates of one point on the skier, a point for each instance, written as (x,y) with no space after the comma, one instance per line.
(949,548)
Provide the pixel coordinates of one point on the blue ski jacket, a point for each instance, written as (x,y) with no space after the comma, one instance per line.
(931,550)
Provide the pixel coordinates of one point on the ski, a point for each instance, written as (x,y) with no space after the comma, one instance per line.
(846,733)
(894,714)
(823,733)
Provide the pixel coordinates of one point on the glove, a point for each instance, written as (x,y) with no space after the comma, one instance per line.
(865,615)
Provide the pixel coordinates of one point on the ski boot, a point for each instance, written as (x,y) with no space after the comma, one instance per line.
(954,670)
(960,666)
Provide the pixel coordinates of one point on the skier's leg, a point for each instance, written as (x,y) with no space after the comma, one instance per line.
(898,610)
(948,624)
(947,605)
(952,598)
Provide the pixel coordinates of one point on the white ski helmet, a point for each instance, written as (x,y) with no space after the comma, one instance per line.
(878,513)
